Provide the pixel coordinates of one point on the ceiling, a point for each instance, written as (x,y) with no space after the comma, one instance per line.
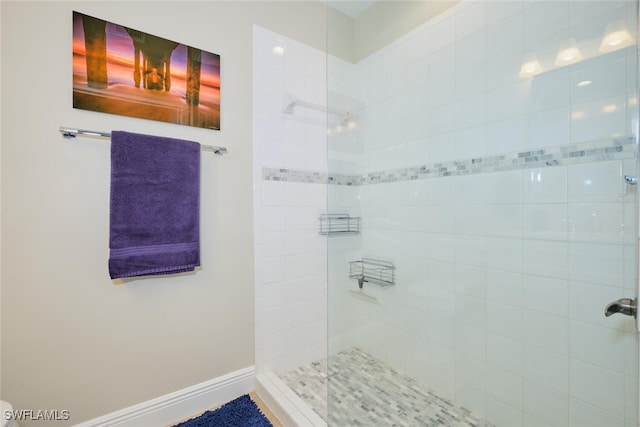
(351,8)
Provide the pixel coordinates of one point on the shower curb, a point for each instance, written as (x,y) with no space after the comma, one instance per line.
(285,403)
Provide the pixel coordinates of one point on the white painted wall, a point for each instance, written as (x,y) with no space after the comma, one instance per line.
(72,338)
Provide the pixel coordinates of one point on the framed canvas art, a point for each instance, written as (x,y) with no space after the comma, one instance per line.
(119,70)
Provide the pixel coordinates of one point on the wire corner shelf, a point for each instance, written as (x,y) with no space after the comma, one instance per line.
(336,224)
(377,272)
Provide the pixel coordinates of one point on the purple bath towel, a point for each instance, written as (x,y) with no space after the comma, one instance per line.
(155,205)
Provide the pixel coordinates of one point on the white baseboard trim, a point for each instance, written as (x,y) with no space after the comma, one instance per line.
(180,405)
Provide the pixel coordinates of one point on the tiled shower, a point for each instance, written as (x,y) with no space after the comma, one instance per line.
(491,174)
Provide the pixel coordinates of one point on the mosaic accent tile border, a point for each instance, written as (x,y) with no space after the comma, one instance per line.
(366,392)
(563,155)
(294,175)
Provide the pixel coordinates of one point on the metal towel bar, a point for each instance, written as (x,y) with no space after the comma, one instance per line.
(74,132)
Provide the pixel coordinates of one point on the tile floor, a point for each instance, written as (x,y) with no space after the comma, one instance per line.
(366,392)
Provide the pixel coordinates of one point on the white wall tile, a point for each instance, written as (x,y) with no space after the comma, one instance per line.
(471,111)
(597,222)
(272,193)
(442,272)
(548,332)
(505,287)
(274,320)
(395,83)
(470,20)
(603,118)
(631,402)
(548,368)
(442,77)
(507,101)
(548,185)
(274,292)
(504,220)
(505,386)
(293,132)
(471,281)
(443,120)
(272,153)
(608,395)
(470,189)
(415,47)
(503,414)
(470,81)
(497,12)
(300,218)
(505,36)
(293,87)
(545,258)
(471,342)
(600,78)
(504,254)
(583,414)
(471,250)
(505,353)
(294,194)
(274,243)
(470,220)
(543,19)
(375,115)
(471,50)
(441,35)
(442,191)
(551,91)
(546,221)
(273,269)
(595,10)
(504,187)
(504,69)
(471,142)
(315,136)
(443,361)
(416,133)
(599,182)
(546,294)
(509,135)
(629,227)
(596,263)
(471,372)
(442,331)
(504,320)
(442,147)
(471,311)
(546,404)
(598,346)
(550,127)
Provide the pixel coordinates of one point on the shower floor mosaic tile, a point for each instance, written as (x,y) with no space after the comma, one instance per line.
(366,392)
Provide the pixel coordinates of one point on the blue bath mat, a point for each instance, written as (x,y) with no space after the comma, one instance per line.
(240,412)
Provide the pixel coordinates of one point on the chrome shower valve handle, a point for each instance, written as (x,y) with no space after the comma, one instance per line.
(626,306)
